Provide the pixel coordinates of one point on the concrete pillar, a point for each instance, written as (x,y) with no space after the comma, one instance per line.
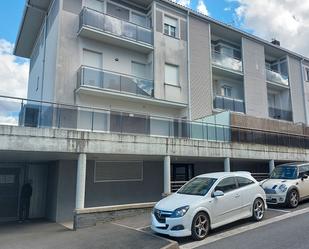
(81,181)
(271,165)
(227,166)
(167,175)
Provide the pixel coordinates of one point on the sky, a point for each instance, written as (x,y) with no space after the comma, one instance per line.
(285,20)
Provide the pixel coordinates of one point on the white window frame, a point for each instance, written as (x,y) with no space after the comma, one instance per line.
(103,1)
(92,51)
(169,33)
(116,180)
(141,63)
(225,89)
(177,84)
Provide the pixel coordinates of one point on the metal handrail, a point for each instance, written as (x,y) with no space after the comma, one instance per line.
(113,72)
(229,56)
(107,14)
(230,98)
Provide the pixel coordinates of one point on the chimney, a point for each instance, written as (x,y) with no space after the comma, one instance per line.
(275,42)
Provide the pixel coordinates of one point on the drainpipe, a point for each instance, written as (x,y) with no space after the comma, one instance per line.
(189,67)
(304,95)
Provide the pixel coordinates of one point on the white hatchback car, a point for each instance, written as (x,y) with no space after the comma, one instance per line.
(207,202)
(288,184)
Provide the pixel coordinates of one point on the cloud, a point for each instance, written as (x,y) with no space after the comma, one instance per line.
(285,20)
(13,72)
(201,7)
(13,82)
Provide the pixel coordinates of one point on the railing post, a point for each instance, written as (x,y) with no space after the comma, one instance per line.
(167,175)
(92,120)
(59,116)
(22,121)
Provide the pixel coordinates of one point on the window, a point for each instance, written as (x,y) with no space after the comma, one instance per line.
(170,26)
(307,73)
(226,91)
(242,181)
(226,185)
(139,19)
(139,69)
(95,5)
(118,11)
(113,171)
(303,170)
(171,74)
(92,59)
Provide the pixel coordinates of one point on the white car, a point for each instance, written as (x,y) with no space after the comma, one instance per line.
(207,202)
(288,184)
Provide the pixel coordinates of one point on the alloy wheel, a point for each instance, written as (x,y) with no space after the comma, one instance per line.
(294,199)
(258,209)
(201,226)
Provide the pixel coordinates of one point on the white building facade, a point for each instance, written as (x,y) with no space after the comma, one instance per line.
(167,92)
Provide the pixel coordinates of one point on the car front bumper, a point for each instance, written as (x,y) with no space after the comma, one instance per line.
(170,223)
(275,198)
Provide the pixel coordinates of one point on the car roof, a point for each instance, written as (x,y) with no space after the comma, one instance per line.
(296,164)
(226,174)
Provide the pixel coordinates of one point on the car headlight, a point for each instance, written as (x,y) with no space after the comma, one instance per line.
(180,212)
(283,188)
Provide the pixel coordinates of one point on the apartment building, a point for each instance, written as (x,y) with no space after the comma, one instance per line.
(164,75)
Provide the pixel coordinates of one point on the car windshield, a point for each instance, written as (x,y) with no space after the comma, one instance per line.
(197,186)
(284,172)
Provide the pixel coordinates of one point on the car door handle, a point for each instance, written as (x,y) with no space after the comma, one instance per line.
(237,196)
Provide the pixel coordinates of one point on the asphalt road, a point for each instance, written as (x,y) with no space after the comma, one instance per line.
(291,233)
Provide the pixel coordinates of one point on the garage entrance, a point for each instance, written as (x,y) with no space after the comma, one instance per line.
(9,193)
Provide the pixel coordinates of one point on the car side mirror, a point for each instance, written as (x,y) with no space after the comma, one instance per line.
(217,193)
(304,177)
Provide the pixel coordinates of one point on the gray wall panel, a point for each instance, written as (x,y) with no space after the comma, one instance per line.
(113,193)
(200,74)
(297,95)
(159,21)
(73,6)
(254,80)
(106,193)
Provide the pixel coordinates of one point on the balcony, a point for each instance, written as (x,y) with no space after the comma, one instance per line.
(227,62)
(115,82)
(280,114)
(106,28)
(225,103)
(277,78)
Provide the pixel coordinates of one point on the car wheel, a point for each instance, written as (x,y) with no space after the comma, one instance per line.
(258,209)
(292,198)
(200,226)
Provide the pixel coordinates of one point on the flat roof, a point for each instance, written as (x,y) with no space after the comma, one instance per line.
(35,10)
(33,17)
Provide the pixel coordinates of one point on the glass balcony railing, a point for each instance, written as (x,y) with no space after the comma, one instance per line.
(224,103)
(276,77)
(112,25)
(42,114)
(225,61)
(280,114)
(103,79)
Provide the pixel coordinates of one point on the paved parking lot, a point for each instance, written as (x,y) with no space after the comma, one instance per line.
(133,232)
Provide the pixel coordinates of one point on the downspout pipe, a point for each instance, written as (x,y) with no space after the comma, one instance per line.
(304,92)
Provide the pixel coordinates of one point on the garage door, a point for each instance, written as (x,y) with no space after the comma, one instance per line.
(9,190)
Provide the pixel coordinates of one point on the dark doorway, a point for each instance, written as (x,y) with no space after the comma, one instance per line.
(182,172)
(9,193)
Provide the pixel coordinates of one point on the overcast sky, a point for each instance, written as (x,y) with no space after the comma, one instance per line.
(285,20)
